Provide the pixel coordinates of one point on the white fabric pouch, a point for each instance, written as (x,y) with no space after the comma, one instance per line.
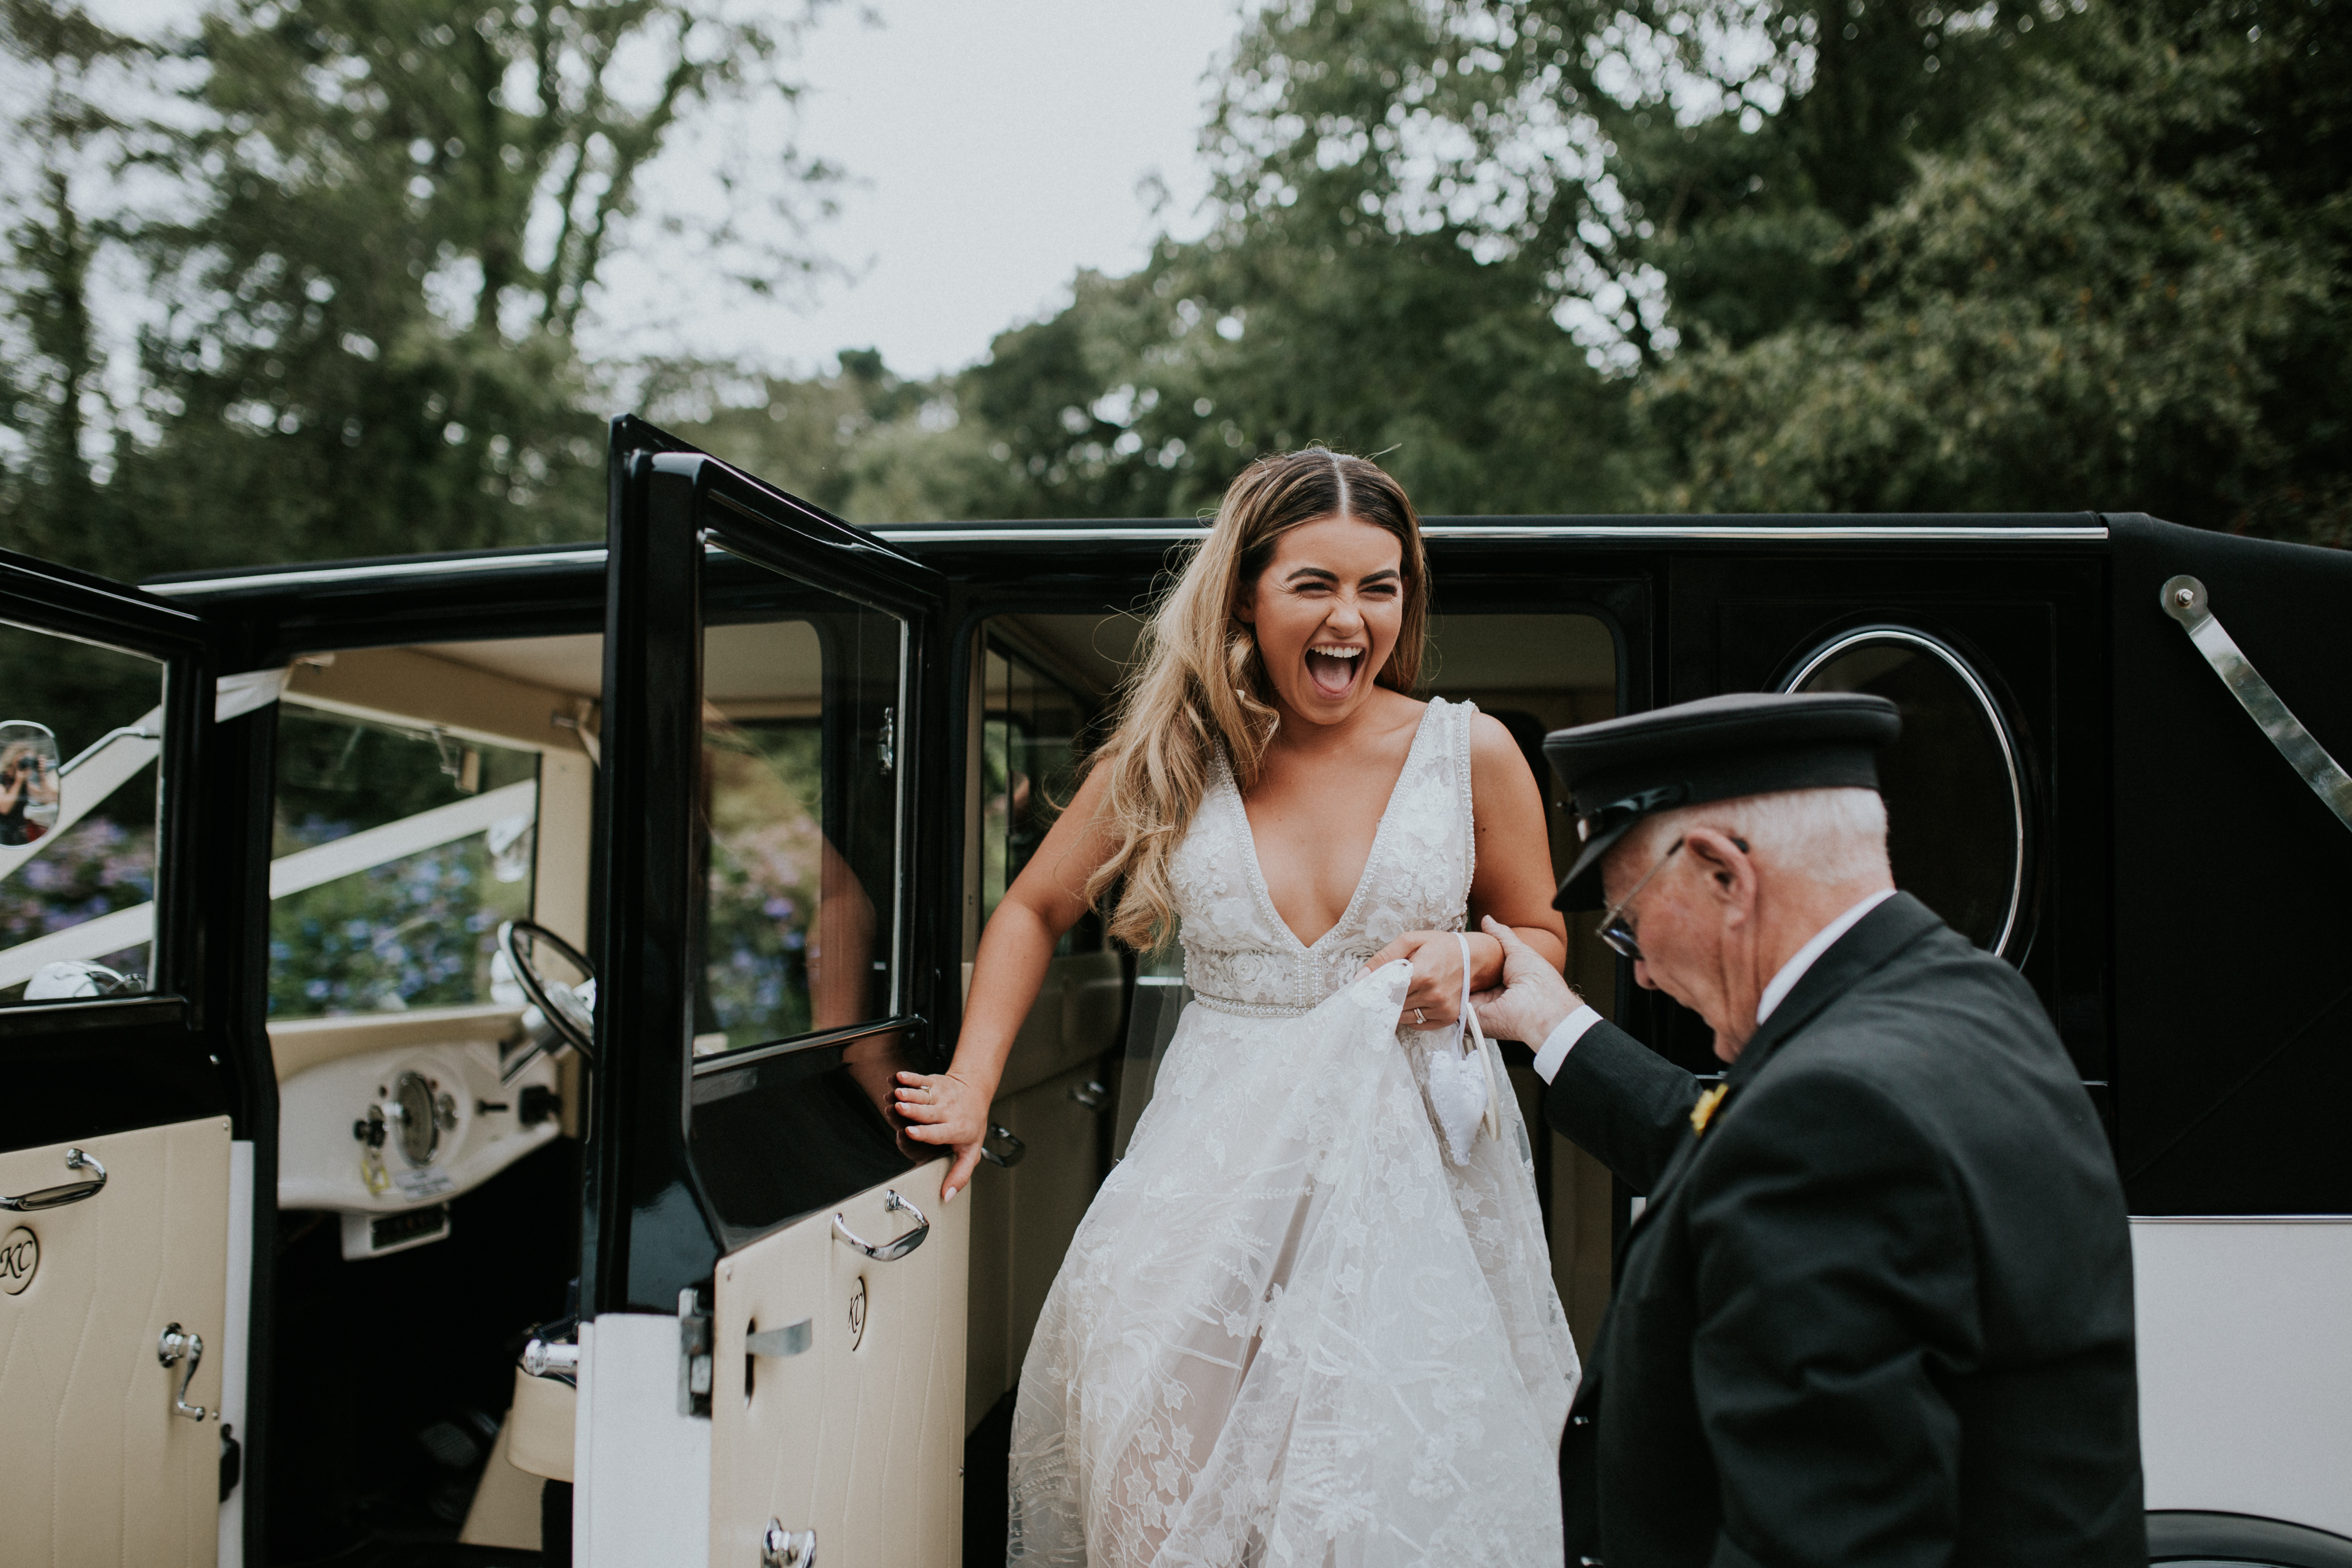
(1463,1093)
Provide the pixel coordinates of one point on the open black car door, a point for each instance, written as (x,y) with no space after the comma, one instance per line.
(773,1293)
(134,1085)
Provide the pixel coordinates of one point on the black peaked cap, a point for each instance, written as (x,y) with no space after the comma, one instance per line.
(1718,747)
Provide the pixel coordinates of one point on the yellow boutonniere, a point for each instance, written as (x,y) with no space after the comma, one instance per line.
(1703,1112)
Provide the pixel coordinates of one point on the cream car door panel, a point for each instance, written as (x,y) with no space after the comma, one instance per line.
(1076,1019)
(100,1461)
(1022,1218)
(838,1391)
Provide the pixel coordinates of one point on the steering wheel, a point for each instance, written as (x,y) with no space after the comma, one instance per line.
(569,1015)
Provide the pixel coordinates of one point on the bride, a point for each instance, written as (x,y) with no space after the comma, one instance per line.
(1292,1329)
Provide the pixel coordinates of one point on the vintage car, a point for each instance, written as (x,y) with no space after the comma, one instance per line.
(351,1217)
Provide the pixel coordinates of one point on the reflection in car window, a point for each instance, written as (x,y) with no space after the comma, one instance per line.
(767,874)
(81,728)
(396,854)
(801,791)
(1030,751)
(1955,801)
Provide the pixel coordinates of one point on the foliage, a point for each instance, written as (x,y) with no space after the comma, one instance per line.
(1463,236)
(389,221)
(53,403)
(2123,288)
(764,783)
(96,866)
(1539,255)
(418,932)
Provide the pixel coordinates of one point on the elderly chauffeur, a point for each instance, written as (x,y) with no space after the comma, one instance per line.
(1879,1307)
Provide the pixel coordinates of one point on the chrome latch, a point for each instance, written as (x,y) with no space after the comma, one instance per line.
(1014,1147)
(178,1344)
(693,1354)
(782,1548)
(550,1358)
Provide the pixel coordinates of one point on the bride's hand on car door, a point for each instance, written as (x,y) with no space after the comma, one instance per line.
(941,1109)
(1436,989)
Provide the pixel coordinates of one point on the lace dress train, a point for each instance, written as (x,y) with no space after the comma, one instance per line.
(1290,1331)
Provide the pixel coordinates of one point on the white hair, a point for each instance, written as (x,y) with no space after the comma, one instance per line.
(1830,836)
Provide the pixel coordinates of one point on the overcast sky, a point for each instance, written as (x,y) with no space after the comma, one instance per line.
(994,148)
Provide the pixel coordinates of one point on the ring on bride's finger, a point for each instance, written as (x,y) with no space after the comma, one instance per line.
(1418,1017)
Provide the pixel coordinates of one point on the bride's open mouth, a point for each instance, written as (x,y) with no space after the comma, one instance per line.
(1332,667)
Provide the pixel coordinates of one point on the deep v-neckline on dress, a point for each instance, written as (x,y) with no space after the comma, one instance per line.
(1257,881)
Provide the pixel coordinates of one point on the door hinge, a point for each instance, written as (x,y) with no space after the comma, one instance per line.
(693,1353)
(232,1461)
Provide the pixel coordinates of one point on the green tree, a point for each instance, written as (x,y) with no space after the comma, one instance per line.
(53,403)
(2125,287)
(393,220)
(1461,235)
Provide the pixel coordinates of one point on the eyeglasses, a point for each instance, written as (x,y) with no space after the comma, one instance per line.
(1613,929)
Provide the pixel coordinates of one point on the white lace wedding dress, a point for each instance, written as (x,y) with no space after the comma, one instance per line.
(1290,1331)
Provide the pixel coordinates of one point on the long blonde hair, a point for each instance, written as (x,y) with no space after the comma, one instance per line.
(1199,684)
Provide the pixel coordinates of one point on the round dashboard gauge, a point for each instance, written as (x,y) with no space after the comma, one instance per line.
(420,1129)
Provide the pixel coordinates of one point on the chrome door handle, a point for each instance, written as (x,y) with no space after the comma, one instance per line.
(65,1192)
(1014,1148)
(792,1339)
(889,1251)
(176,1345)
(782,1548)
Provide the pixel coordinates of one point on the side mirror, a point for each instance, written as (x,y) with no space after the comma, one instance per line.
(30,772)
(65,979)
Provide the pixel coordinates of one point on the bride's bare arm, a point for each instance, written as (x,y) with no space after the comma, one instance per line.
(1514,878)
(950,1108)
(1512,883)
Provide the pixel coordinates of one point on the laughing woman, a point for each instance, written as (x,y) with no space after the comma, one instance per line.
(1298,1325)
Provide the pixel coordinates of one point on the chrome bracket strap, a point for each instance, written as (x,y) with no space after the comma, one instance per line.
(2185,601)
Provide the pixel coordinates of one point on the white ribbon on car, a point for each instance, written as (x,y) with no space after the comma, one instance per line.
(1463,1093)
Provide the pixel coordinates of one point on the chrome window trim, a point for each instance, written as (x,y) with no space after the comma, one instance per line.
(1174,534)
(1866,636)
(2239,1218)
(1509,533)
(718,1062)
(370,571)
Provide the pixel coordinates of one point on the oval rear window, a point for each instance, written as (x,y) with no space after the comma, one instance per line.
(1954,799)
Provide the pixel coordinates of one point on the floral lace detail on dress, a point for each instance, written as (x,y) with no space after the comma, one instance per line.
(1289,1332)
(1239,957)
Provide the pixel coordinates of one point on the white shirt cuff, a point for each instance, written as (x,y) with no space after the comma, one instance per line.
(1563,1038)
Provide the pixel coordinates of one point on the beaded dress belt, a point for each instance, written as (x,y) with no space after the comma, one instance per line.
(1252,1009)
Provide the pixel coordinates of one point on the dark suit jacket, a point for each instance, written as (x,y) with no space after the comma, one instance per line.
(1880,1310)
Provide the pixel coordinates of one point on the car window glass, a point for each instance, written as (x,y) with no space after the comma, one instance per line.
(1954,796)
(81,731)
(1030,751)
(396,853)
(800,810)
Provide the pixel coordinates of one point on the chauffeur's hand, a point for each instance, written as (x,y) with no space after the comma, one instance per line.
(1532,998)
